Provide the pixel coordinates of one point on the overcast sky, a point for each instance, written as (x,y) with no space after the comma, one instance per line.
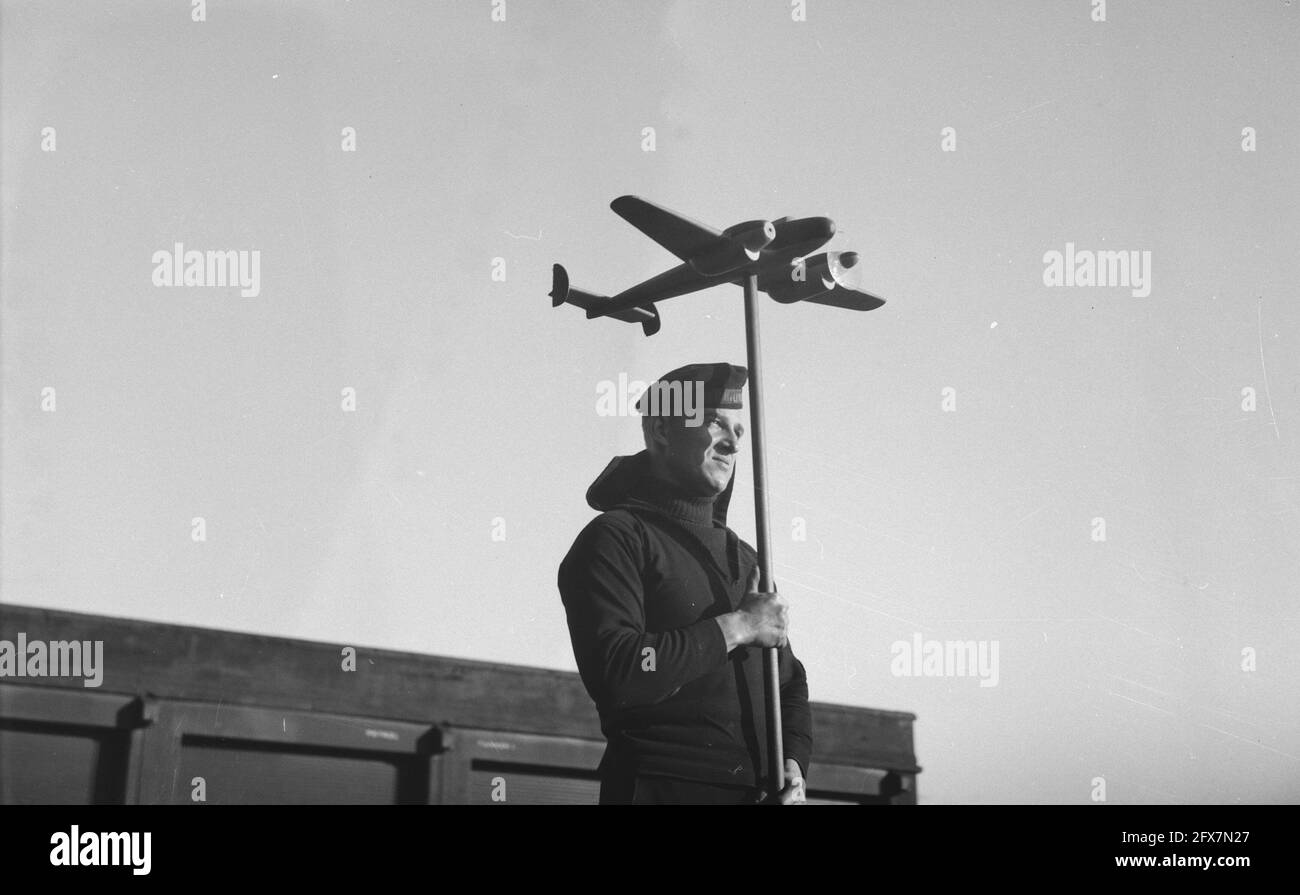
(1162,659)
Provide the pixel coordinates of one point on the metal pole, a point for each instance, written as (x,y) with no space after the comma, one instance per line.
(771,666)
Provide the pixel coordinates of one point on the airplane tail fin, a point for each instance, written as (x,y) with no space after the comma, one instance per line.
(562,293)
(559,285)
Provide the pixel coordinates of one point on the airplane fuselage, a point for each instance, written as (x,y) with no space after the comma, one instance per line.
(794,239)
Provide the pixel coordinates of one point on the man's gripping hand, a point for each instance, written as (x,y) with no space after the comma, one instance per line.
(794,792)
(760,620)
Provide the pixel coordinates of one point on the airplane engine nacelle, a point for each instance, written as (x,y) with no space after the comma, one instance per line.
(744,243)
(818,274)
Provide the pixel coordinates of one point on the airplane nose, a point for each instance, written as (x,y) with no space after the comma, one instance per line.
(843,268)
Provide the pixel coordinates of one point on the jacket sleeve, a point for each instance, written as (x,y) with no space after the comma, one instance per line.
(796,713)
(622,664)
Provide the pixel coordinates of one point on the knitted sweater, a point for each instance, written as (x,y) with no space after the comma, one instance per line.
(641,586)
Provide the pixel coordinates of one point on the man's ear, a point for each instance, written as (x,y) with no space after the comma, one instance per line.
(657,427)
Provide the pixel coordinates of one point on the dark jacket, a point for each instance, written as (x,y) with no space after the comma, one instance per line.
(641,587)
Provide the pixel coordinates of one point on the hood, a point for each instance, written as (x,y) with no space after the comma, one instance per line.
(612,487)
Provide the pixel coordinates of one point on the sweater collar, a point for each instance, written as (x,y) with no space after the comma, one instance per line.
(624,475)
(668,499)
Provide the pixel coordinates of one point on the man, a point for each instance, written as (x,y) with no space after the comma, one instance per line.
(666,624)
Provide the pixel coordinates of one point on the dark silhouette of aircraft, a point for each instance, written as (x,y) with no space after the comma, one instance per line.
(776,251)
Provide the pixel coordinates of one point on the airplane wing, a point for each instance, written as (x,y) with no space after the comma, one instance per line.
(680,235)
(852,299)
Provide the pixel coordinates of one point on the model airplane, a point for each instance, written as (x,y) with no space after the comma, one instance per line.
(776,251)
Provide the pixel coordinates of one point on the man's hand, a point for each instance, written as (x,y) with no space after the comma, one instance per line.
(760,620)
(794,793)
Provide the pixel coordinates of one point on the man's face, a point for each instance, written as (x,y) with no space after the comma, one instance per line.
(700,459)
